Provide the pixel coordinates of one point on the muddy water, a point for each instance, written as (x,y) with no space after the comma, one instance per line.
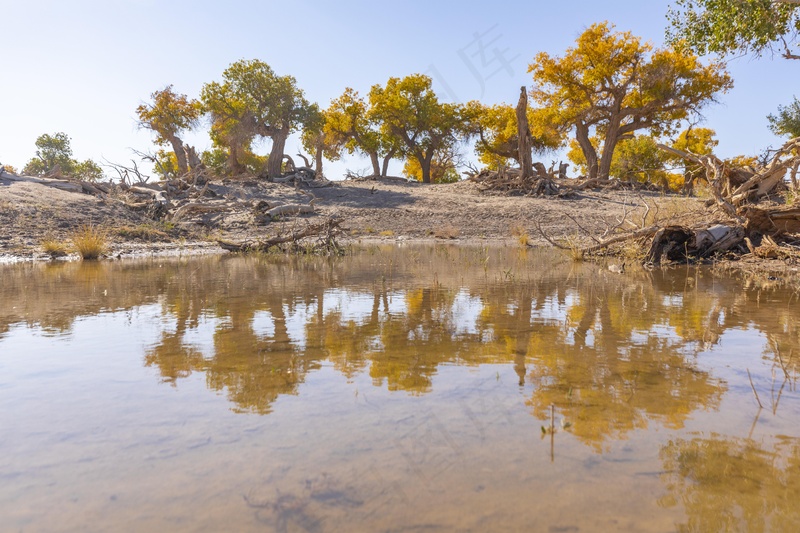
(401,389)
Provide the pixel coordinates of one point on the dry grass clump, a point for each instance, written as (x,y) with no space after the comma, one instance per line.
(447,232)
(143,232)
(54,248)
(573,242)
(387,233)
(521,234)
(90,241)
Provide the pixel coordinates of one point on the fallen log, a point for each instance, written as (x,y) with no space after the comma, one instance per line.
(327,230)
(601,244)
(679,243)
(772,220)
(194,208)
(290,209)
(64,185)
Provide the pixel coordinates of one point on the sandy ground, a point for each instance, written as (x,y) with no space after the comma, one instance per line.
(31,213)
(370,210)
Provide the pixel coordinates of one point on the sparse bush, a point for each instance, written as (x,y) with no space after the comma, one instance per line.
(90,241)
(447,232)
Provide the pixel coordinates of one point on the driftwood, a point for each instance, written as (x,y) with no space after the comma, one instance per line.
(679,243)
(195,208)
(326,233)
(600,244)
(734,187)
(77,186)
(306,176)
(513,181)
(775,221)
(289,209)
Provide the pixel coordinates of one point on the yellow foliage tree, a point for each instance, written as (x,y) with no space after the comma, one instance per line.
(636,158)
(168,115)
(698,141)
(443,170)
(253,101)
(496,130)
(410,114)
(611,85)
(351,125)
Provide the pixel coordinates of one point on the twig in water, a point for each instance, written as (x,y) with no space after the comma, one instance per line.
(548,239)
(780,360)
(755,392)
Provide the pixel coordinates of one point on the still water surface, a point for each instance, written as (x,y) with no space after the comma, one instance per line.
(401,389)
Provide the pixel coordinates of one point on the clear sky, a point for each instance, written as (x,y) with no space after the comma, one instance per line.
(82,66)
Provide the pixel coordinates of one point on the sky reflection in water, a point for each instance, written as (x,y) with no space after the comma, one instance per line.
(400,388)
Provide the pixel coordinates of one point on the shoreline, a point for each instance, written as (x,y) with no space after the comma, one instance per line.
(373,213)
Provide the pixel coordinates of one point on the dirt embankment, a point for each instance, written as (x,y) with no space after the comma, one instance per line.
(31,213)
(371,210)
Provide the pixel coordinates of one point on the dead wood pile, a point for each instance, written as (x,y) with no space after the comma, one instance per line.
(750,218)
(749,227)
(546,182)
(514,181)
(321,237)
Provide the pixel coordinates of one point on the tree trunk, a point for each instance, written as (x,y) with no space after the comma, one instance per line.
(376,164)
(180,155)
(385,168)
(609,145)
(524,135)
(589,153)
(234,166)
(275,161)
(194,161)
(318,160)
(425,165)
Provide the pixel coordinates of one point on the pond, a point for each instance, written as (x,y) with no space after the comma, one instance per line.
(402,388)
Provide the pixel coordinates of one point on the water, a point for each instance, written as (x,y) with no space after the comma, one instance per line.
(401,389)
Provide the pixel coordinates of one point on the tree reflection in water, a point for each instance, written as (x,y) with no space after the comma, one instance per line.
(730,484)
(614,354)
(611,352)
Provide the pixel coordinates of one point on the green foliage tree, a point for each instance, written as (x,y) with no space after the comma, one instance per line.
(787,121)
(87,170)
(495,128)
(611,85)
(410,113)
(736,26)
(168,116)
(350,125)
(252,101)
(51,151)
(54,156)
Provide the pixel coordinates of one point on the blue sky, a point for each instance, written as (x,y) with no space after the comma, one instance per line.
(82,66)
